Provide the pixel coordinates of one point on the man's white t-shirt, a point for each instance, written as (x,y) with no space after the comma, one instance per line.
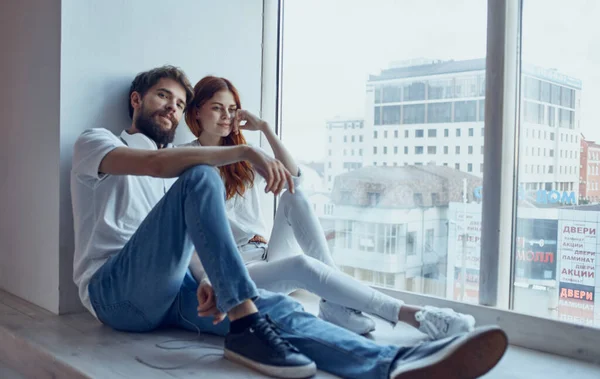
(107,209)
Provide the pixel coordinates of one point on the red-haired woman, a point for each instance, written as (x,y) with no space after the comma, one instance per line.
(215,117)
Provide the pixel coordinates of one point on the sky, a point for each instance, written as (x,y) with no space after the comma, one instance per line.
(331,46)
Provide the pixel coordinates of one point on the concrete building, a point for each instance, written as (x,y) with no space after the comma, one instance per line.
(423,112)
(589,185)
(391,224)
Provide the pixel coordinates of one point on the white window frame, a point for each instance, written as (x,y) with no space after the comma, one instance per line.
(501,164)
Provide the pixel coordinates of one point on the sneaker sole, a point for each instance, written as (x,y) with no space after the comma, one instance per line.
(298,372)
(470,356)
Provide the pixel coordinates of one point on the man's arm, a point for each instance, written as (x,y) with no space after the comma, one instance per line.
(169,163)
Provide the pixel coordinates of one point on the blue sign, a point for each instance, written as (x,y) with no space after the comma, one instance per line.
(541,196)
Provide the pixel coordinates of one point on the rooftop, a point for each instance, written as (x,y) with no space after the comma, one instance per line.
(452,66)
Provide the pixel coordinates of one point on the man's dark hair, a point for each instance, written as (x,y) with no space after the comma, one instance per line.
(145,80)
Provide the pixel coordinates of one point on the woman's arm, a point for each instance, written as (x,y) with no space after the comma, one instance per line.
(279,150)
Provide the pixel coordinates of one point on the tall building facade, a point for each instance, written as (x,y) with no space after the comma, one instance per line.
(589,186)
(432,112)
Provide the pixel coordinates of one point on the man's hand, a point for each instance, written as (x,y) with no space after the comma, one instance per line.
(271,169)
(207,303)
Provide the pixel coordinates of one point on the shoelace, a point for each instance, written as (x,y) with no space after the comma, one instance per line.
(267,331)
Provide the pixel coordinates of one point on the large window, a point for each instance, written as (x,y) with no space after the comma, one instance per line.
(465,111)
(391,115)
(414,113)
(436,246)
(556,234)
(439,112)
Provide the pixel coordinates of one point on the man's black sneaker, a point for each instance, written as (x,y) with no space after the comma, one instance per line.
(261,348)
(466,357)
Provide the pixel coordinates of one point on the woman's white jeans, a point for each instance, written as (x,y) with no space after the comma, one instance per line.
(315,270)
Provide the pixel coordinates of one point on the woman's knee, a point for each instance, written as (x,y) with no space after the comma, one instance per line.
(298,198)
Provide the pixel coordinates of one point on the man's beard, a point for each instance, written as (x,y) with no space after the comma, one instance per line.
(146,124)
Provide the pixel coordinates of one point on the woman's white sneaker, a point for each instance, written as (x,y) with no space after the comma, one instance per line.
(440,323)
(346,318)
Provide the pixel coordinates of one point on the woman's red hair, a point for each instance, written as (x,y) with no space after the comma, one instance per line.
(237,176)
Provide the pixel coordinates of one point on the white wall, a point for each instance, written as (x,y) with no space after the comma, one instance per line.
(105,43)
(29,157)
(97,47)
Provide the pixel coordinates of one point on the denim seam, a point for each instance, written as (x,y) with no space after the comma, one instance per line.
(334,347)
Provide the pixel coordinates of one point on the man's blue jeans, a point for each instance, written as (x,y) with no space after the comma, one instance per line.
(148,285)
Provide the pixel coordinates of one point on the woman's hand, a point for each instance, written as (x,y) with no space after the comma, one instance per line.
(207,303)
(245,120)
(275,173)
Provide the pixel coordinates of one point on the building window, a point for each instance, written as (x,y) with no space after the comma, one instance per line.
(374,149)
(391,115)
(419,133)
(392,94)
(481,167)
(431,133)
(429,233)
(465,111)
(470,167)
(566,118)
(374,198)
(431,149)
(360,152)
(329,152)
(385,134)
(440,89)
(414,91)
(439,112)
(395,134)
(470,149)
(418,199)
(533,112)
(481,112)
(532,88)
(457,150)
(411,240)
(471,132)
(377,116)
(418,149)
(375,134)
(457,166)
(445,149)
(406,134)
(330,139)
(405,149)
(458,132)
(413,114)
(385,150)
(395,149)
(352,138)
(446,132)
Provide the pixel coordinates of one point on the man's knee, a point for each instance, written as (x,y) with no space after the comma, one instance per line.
(205,174)
(276,302)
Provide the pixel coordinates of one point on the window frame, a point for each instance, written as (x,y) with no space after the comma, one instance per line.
(501,162)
